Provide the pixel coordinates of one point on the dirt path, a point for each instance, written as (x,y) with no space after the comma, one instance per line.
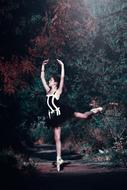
(76,175)
(45,155)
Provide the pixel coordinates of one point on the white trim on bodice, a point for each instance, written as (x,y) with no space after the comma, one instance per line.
(52,105)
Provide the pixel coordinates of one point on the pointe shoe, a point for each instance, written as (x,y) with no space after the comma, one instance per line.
(59,163)
(96,110)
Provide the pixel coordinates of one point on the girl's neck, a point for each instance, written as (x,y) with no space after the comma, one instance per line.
(53,89)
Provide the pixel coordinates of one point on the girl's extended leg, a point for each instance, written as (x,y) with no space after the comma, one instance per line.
(85,115)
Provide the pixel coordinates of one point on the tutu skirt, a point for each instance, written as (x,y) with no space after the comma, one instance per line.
(67,113)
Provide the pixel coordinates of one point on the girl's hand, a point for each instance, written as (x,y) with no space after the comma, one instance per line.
(45,62)
(60,62)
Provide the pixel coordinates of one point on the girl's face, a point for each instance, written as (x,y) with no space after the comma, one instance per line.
(52,82)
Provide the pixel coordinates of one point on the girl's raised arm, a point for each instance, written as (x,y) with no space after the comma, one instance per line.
(60,88)
(43,76)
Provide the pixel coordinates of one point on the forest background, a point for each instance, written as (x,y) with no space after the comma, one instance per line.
(90,37)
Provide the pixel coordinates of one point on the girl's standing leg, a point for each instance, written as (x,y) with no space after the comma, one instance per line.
(57,137)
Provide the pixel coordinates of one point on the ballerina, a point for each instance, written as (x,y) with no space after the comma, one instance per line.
(56,112)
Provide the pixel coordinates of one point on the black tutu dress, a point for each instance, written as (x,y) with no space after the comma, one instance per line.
(57,113)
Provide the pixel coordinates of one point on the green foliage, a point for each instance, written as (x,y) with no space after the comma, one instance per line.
(36,18)
(36,130)
(119,155)
(7,158)
(90,37)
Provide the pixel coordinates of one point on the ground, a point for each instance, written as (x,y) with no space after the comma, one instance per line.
(75,175)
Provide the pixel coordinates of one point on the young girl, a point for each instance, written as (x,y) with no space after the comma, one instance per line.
(58,113)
